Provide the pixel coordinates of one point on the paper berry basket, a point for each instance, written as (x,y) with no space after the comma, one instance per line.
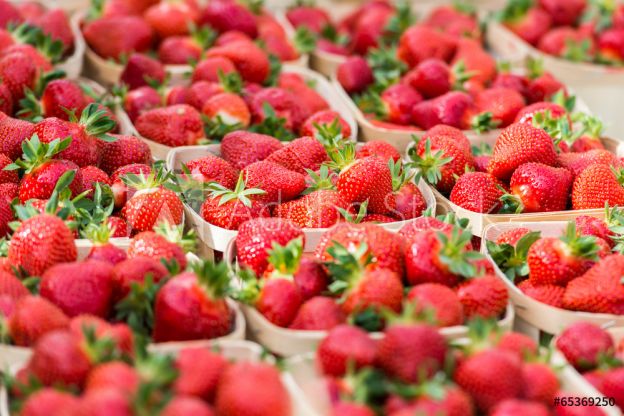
(538,315)
(479,221)
(218,238)
(321,85)
(11,355)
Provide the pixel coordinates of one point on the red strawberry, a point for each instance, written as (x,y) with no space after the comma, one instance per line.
(171,18)
(519,144)
(596,185)
(117,375)
(41,242)
(58,97)
(193,306)
(228,110)
(18,72)
(411,353)
(165,243)
(120,334)
(140,70)
(512,236)
(6,99)
(310,100)
(134,270)
(485,297)
(250,61)
(453,108)
(32,318)
(11,290)
(140,100)
(10,14)
(109,36)
(14,132)
(518,343)
(224,16)
(47,401)
(543,87)
(612,386)
(567,42)
(92,176)
(490,376)
(578,162)
(209,69)
(318,209)
(319,313)
(351,409)
(503,104)
(516,407)
(121,192)
(180,405)
(313,18)
(420,42)
(354,74)
(213,169)
(558,260)
(278,300)
(300,155)
(344,344)
(588,225)
(284,104)
(409,201)
(255,237)
(327,119)
(113,400)
(370,27)
(266,393)
(102,249)
(582,344)
(433,77)
(529,23)
(611,45)
(378,148)
(541,383)
(528,113)
(55,23)
(199,372)
(177,125)
(181,50)
(279,183)
(242,148)
(477,192)
(564,12)
(393,105)
(439,299)
(549,294)
(125,150)
(476,60)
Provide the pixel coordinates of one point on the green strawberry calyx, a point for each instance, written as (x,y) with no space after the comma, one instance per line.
(341,154)
(175,234)
(370,102)
(214,278)
(484,122)
(327,133)
(347,266)
(137,308)
(98,234)
(95,122)
(511,204)
(512,259)
(461,75)
(401,175)
(360,215)
(35,153)
(514,11)
(240,192)
(454,254)
(430,164)
(323,180)
(580,246)
(285,259)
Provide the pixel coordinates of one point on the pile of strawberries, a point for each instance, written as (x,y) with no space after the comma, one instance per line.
(185,32)
(580,270)
(577,30)
(412,371)
(364,274)
(549,159)
(87,369)
(594,352)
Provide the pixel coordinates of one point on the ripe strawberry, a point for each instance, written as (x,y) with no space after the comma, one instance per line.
(439,299)
(549,294)
(6,99)
(433,77)
(564,12)
(421,42)
(140,100)
(612,385)
(134,270)
(49,400)
(18,72)
(242,148)
(199,371)
(540,383)
(209,69)
(490,376)
(120,335)
(114,36)
(102,249)
(227,109)
(567,42)
(310,100)
(527,22)
(141,70)
(342,345)
(213,169)
(300,155)
(520,344)
(370,27)
(279,183)
(484,297)
(599,290)
(409,201)
(181,50)
(285,105)
(121,192)
(354,74)
(583,343)
(578,162)
(597,182)
(313,18)
(328,119)
(116,374)
(380,149)
(193,306)
(113,400)
(224,16)
(14,132)
(10,14)
(125,150)
(503,104)
(543,87)
(55,24)
(278,299)
(32,318)
(319,209)
(177,125)
(250,61)
(11,290)
(319,313)
(180,405)
(454,108)
(558,260)
(519,144)
(528,113)
(610,45)
(588,225)
(171,18)
(411,352)
(41,242)
(477,192)
(91,176)
(266,393)
(351,409)
(517,407)
(393,105)
(166,242)
(59,96)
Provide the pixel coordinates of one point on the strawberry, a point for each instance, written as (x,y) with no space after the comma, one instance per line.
(439,299)
(567,42)
(11,288)
(549,294)
(611,45)
(351,409)
(196,298)
(612,385)
(166,242)
(255,237)
(365,287)
(502,103)
(125,150)
(140,100)
(199,371)
(113,400)
(516,407)
(477,192)
(47,401)
(182,50)
(536,187)
(41,242)
(108,36)
(578,162)
(14,132)
(541,383)
(10,14)
(319,209)
(409,201)
(32,318)
(393,105)
(490,376)
(484,297)
(213,169)
(6,216)
(454,20)
(83,327)
(141,70)
(279,183)
(597,183)
(520,344)
(583,343)
(224,16)
(384,247)
(59,96)
(421,42)
(134,270)
(411,352)
(266,393)
(102,249)
(453,108)
(543,87)
(116,374)
(171,18)
(176,125)
(55,24)
(354,74)
(441,161)
(433,77)
(588,225)
(6,99)
(79,288)
(300,155)
(345,344)
(378,148)
(453,133)
(284,104)
(475,60)
(599,289)
(564,12)
(243,148)
(527,22)
(519,144)
(313,18)
(370,27)
(250,61)
(18,72)
(152,203)
(180,405)
(528,113)
(228,110)
(591,139)
(209,69)
(319,313)
(121,192)
(92,176)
